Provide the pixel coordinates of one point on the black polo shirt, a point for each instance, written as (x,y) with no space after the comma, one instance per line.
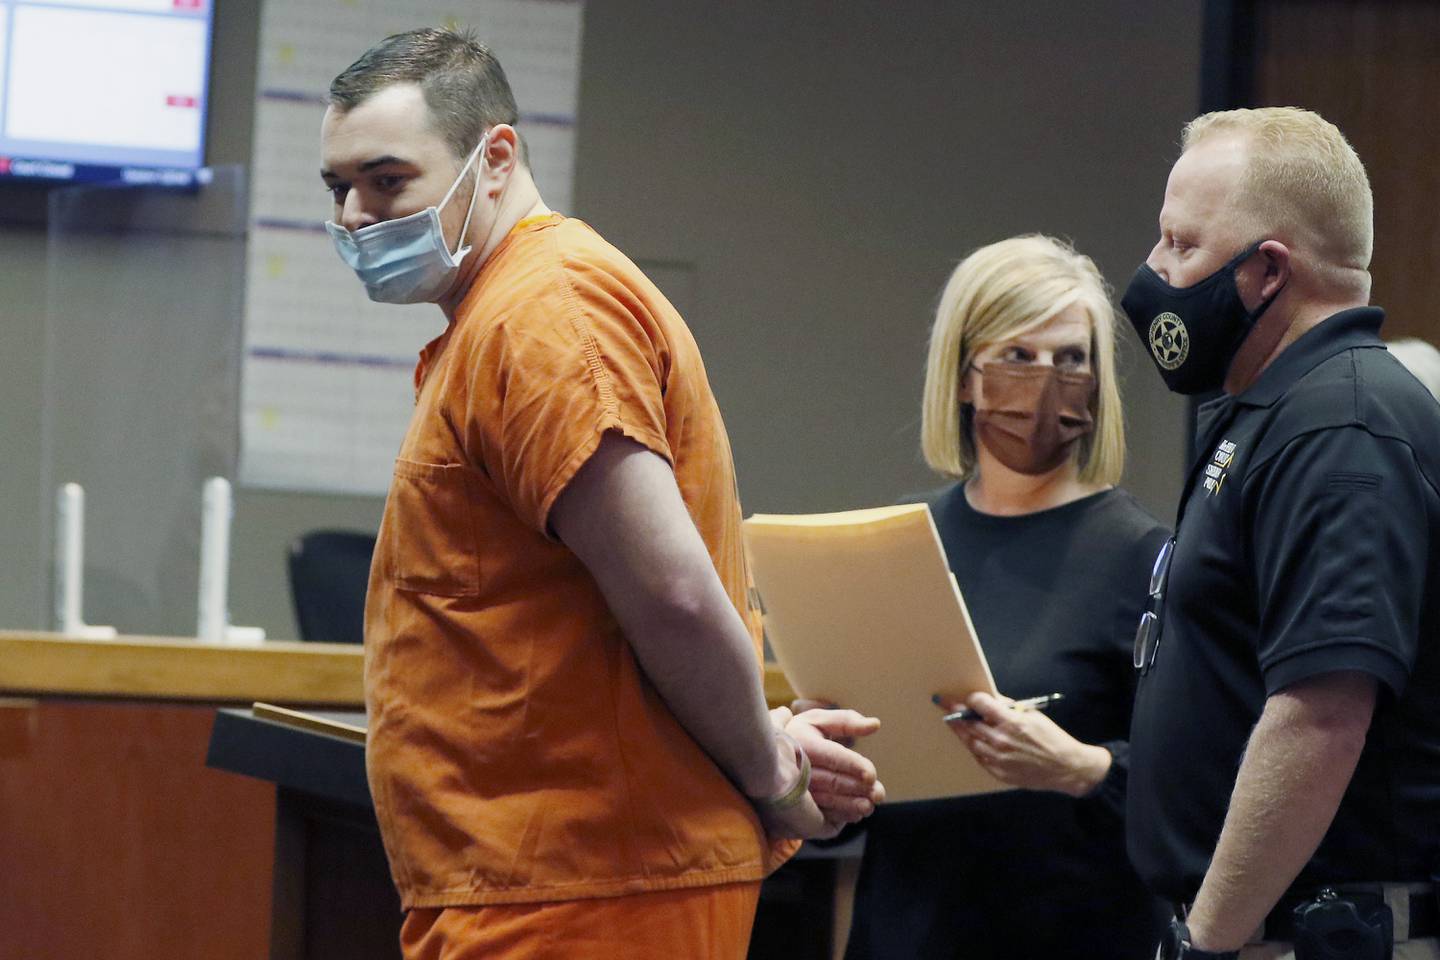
(1308,541)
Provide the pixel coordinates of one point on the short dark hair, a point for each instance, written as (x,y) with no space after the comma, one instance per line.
(464,85)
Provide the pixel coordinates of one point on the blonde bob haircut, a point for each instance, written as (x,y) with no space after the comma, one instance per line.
(1001,291)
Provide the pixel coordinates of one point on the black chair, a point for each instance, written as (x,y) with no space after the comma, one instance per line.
(329,571)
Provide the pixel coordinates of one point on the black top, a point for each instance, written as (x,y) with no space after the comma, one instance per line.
(1054,597)
(1306,544)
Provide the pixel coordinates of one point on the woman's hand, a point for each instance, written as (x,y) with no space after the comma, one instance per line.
(1025,748)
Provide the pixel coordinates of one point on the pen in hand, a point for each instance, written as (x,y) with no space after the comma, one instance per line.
(1033,703)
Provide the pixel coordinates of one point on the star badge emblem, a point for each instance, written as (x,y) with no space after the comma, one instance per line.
(1169,340)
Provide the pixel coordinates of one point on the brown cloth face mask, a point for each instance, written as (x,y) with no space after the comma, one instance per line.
(1033,415)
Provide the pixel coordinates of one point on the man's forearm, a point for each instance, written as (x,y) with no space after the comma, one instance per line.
(1299,761)
(701,659)
(624,518)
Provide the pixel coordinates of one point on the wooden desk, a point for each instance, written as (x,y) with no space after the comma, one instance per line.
(777,689)
(115,839)
(333,898)
(170,668)
(173,668)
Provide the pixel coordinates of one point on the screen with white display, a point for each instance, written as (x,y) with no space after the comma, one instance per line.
(104,90)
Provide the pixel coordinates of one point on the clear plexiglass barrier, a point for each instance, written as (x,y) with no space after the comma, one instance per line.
(141,388)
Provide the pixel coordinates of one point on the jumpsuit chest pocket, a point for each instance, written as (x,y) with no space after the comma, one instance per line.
(428,539)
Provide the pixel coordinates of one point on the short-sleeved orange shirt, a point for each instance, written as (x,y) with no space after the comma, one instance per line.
(516,751)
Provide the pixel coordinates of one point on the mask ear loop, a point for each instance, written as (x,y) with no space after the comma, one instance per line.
(1266,331)
(478,151)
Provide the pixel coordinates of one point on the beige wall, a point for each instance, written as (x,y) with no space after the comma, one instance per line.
(22,327)
(824,165)
(810,172)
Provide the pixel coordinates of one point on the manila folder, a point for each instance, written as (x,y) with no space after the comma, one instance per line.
(861,610)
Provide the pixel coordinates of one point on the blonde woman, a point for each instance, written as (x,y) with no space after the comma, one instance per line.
(1022,413)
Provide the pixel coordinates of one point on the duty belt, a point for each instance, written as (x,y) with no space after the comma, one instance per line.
(1414,906)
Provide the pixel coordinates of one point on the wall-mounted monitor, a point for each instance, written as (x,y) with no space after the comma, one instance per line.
(104,90)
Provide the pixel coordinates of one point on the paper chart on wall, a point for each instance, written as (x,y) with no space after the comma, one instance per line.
(326,379)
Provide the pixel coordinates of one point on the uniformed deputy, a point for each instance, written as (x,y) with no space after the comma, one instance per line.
(1292,630)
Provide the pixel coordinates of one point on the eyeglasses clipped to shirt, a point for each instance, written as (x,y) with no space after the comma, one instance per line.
(1147,634)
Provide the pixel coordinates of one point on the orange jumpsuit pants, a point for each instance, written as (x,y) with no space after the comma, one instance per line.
(704,923)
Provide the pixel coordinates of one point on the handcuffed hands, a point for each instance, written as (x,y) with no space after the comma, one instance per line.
(843,788)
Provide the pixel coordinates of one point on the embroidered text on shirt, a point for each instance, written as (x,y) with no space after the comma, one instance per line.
(1215,469)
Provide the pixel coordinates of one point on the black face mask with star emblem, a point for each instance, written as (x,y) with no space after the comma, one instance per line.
(1193,332)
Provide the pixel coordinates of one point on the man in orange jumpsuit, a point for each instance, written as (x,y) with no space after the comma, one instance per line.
(569,749)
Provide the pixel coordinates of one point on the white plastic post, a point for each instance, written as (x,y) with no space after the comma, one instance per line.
(70,566)
(214,560)
(213,623)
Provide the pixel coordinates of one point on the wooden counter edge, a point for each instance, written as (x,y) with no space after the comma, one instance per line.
(778,692)
(175,668)
(178,668)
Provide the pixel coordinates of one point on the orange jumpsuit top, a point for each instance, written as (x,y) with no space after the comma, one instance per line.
(516,752)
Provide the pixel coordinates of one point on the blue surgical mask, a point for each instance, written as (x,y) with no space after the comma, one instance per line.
(407,260)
